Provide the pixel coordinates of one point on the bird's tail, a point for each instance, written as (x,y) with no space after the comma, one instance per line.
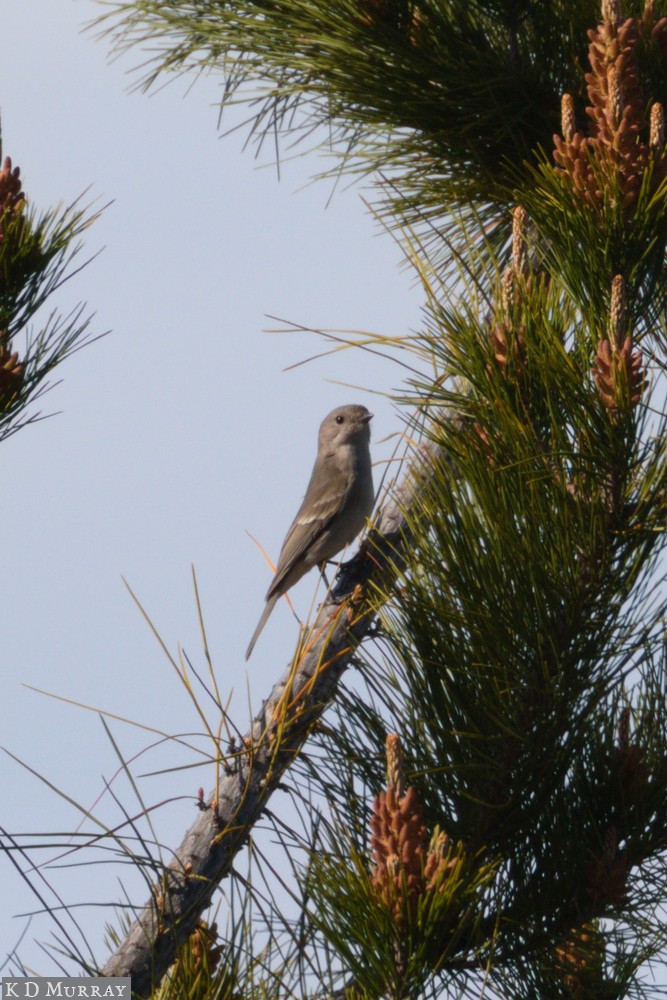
(268,608)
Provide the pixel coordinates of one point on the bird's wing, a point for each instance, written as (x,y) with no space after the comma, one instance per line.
(325,497)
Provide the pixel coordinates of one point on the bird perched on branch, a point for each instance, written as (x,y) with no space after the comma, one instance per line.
(337,503)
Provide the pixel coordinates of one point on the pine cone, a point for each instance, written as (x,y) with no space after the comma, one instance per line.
(607,875)
(395,774)
(12,199)
(11,373)
(629,761)
(439,859)
(618,374)
(657,134)
(204,948)
(509,350)
(567,117)
(613,158)
(398,847)
(581,959)
(11,195)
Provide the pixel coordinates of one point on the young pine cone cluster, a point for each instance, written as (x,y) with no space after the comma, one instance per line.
(12,203)
(630,765)
(398,843)
(407,865)
(607,874)
(614,157)
(580,959)
(12,198)
(619,375)
(11,369)
(205,951)
(507,336)
(509,349)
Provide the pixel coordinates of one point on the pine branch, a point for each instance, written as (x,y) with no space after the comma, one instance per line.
(274,740)
(37,252)
(450,100)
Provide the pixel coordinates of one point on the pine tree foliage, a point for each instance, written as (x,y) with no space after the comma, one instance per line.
(450,101)
(485,807)
(526,642)
(36,254)
(522,663)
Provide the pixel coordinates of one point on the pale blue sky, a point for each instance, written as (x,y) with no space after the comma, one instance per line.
(177,432)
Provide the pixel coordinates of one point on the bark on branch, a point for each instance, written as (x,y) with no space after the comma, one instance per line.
(277,733)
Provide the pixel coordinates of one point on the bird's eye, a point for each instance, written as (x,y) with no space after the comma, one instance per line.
(340,419)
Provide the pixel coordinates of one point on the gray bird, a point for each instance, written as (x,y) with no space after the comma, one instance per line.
(338,500)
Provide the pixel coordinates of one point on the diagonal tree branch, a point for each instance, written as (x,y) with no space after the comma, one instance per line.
(276,735)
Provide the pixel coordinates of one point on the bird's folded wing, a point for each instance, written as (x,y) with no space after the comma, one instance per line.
(313,519)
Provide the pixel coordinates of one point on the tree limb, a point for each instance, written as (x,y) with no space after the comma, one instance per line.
(277,733)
